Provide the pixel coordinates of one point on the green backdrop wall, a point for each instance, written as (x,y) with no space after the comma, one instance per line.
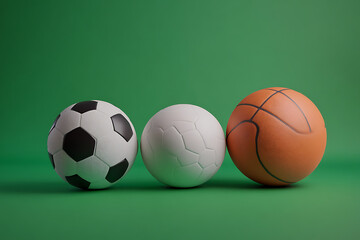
(145,55)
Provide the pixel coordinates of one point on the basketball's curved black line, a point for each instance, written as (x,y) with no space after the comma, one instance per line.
(257,149)
(276,91)
(263,104)
(258,156)
(299,109)
(258,130)
(262,109)
(227,135)
(294,103)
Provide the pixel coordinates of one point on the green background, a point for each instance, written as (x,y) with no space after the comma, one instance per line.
(143,56)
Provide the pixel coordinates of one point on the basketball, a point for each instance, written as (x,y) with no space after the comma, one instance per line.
(276,136)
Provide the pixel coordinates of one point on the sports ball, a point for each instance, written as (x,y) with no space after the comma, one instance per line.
(276,136)
(92,144)
(183,145)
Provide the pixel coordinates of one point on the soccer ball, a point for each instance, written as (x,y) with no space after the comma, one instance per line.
(92,144)
(183,145)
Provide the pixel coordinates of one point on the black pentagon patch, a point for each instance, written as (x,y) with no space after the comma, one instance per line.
(79,144)
(83,107)
(122,126)
(54,124)
(117,171)
(77,181)
(52,160)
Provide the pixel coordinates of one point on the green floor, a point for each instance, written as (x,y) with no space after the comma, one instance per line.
(37,204)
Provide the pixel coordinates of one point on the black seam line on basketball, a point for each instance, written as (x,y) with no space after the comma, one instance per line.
(281,91)
(277,90)
(256,147)
(258,156)
(299,109)
(236,127)
(262,109)
(265,102)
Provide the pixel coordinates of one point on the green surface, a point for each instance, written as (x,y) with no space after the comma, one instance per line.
(36,204)
(143,56)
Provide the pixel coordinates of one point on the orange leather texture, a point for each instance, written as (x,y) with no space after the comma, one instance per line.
(276,136)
